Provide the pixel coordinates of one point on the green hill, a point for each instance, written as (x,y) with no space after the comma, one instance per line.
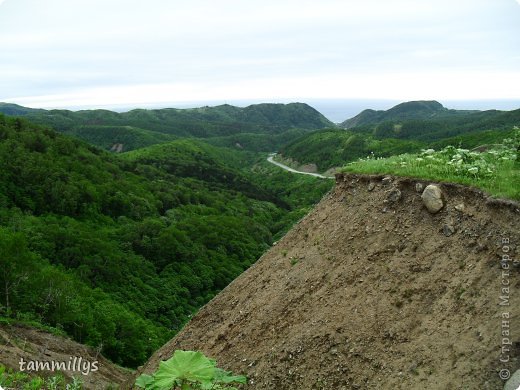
(130,138)
(139,128)
(433,130)
(426,110)
(406,128)
(16,110)
(333,148)
(257,142)
(120,250)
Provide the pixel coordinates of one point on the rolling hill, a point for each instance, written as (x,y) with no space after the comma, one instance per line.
(401,112)
(119,250)
(140,128)
(334,148)
(405,128)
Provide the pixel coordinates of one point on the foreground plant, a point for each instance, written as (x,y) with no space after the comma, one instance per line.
(10,379)
(188,370)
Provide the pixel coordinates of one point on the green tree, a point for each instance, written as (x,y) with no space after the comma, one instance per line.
(17,264)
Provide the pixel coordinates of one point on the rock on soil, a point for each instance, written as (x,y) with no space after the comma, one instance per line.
(432,198)
(393,195)
(375,301)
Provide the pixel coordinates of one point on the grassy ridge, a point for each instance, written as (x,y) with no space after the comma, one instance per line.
(495,170)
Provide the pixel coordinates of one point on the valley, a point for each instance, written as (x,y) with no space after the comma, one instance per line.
(122,231)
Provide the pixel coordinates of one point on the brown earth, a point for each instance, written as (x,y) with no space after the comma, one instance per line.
(310,168)
(30,344)
(371,291)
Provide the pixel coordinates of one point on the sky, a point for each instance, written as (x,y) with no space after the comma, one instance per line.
(115,53)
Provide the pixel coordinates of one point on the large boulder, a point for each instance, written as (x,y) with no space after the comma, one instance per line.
(432,198)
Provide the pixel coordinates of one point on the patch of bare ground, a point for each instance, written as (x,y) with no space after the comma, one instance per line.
(19,342)
(372,291)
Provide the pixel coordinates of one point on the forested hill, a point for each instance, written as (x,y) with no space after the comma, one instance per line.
(120,250)
(422,110)
(138,128)
(408,127)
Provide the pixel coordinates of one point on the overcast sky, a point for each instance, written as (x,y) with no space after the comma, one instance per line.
(94,53)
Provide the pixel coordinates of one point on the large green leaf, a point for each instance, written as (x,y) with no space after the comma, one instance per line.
(222,376)
(185,365)
(144,381)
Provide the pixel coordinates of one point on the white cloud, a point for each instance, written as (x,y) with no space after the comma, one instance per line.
(94,50)
(401,86)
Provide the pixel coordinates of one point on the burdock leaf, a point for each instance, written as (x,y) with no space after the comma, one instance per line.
(222,376)
(185,365)
(144,381)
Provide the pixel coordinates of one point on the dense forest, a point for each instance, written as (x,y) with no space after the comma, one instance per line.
(420,110)
(118,251)
(333,148)
(405,128)
(255,127)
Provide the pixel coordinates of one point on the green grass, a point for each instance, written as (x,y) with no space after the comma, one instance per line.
(12,379)
(496,170)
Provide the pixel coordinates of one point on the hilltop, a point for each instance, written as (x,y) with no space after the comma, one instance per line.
(422,109)
(370,291)
(140,127)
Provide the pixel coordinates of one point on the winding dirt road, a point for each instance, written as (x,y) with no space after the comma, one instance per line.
(289,169)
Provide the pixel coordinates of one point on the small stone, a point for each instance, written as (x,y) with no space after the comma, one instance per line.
(386,180)
(460,207)
(393,195)
(419,187)
(448,230)
(432,198)
(371,186)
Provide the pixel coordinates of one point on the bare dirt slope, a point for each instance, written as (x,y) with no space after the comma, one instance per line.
(30,344)
(371,291)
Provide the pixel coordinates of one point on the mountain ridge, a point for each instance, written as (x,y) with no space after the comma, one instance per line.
(419,109)
(103,127)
